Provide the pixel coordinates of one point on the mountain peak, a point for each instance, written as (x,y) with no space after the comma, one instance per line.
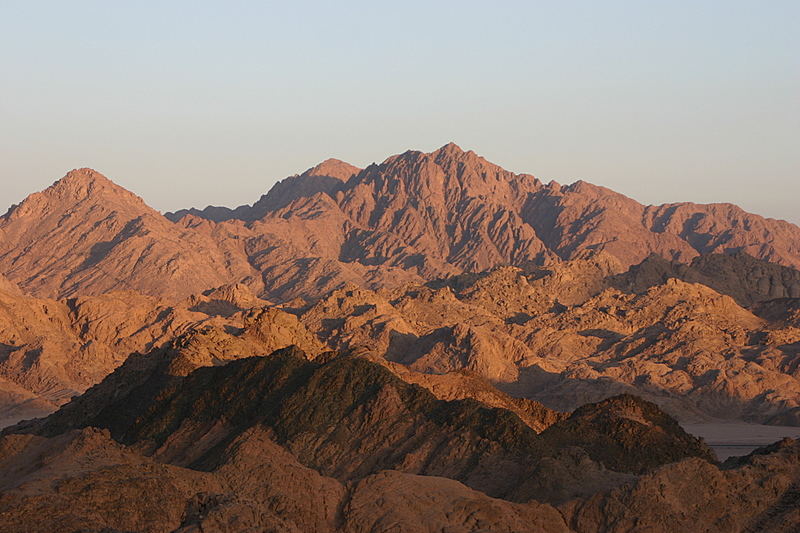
(82,180)
(81,183)
(449,152)
(77,186)
(84,174)
(333,168)
(452,153)
(450,148)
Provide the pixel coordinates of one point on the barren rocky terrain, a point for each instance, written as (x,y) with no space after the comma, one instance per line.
(431,343)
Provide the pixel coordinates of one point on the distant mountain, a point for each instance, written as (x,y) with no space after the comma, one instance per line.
(85,235)
(413,218)
(452,210)
(328,177)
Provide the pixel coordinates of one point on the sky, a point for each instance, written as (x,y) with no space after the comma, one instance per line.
(191,103)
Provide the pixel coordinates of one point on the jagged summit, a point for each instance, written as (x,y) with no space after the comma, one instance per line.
(86,182)
(83,187)
(445,156)
(334,168)
(326,177)
(453,151)
(450,147)
(83,174)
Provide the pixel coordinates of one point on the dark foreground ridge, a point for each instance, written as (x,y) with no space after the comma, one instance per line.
(350,417)
(283,443)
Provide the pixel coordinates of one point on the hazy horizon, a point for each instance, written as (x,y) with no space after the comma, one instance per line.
(193,104)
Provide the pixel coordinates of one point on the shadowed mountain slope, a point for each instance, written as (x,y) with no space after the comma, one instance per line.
(349,418)
(83,480)
(748,280)
(281,443)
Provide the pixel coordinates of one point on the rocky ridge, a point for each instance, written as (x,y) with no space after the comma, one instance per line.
(537,335)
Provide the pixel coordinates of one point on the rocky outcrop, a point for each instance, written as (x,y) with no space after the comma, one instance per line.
(693,351)
(51,351)
(261,487)
(696,353)
(760,494)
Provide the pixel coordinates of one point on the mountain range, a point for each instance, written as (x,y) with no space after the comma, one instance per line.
(415,217)
(431,343)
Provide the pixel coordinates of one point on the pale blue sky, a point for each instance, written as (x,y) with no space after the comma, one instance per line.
(189,103)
